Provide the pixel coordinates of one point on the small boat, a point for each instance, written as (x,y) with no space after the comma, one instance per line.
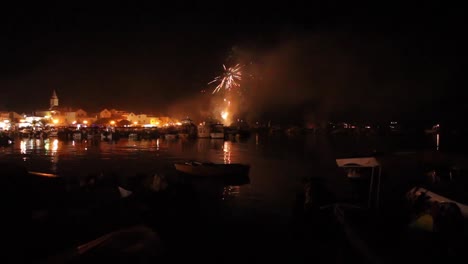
(387,235)
(212,169)
(139,244)
(170,136)
(433,197)
(203,130)
(217,131)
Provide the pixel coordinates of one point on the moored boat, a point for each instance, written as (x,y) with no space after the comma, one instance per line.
(203,130)
(429,228)
(217,131)
(212,169)
(170,136)
(433,197)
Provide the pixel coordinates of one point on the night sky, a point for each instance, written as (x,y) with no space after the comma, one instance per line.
(317,61)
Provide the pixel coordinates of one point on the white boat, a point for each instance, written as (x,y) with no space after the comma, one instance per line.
(212,169)
(217,131)
(203,131)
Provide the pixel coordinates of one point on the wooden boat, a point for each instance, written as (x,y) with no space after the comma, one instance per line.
(138,244)
(212,169)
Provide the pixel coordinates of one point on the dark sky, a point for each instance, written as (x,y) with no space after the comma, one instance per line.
(321,61)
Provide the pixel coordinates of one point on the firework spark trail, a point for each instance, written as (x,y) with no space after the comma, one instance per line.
(228,79)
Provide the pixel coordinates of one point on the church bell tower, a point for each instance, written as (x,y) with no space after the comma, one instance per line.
(54,101)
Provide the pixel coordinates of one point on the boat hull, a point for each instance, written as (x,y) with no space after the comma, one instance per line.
(213,169)
(434,197)
(217,135)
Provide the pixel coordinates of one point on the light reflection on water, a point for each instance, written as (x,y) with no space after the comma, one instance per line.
(23,146)
(277,163)
(90,154)
(127,157)
(227,152)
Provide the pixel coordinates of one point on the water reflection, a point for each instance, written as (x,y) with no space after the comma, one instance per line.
(54,157)
(203,144)
(230,192)
(227,152)
(23,146)
(276,162)
(216,144)
(50,147)
(55,146)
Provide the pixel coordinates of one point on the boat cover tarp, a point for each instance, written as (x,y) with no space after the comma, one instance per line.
(362,162)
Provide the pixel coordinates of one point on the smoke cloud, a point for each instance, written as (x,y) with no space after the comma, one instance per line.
(333,76)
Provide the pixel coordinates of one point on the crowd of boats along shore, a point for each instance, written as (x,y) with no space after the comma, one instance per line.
(184,131)
(211,129)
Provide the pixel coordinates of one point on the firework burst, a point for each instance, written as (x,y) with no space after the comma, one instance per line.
(228,79)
